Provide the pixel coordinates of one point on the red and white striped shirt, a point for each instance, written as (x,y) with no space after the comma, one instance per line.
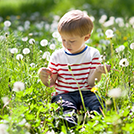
(73,69)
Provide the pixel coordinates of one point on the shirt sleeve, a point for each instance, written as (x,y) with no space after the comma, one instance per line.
(95,59)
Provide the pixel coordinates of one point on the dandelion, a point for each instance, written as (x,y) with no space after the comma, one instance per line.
(124,62)
(109,33)
(27,125)
(102,19)
(26,51)
(52,46)
(22,122)
(131,20)
(132,45)
(5,100)
(19,56)
(3,129)
(31,41)
(14,50)
(108,102)
(2,38)
(114,93)
(7,23)
(120,48)
(46,55)
(94,89)
(102,58)
(43,42)
(32,65)
(56,34)
(24,39)
(18,86)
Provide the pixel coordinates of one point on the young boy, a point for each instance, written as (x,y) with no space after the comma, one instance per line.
(75,66)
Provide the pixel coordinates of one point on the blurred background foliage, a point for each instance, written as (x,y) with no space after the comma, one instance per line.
(117,8)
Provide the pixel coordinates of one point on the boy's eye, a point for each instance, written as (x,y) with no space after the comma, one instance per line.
(72,41)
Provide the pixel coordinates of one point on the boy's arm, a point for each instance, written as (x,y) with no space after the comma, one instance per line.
(96,74)
(46,76)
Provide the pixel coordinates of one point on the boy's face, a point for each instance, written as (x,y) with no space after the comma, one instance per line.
(74,44)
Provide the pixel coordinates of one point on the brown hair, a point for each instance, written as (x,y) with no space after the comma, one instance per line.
(75,22)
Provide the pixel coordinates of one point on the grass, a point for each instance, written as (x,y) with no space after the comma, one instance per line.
(29,110)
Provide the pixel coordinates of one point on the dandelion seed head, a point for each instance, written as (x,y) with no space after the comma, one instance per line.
(132,45)
(19,56)
(14,50)
(7,23)
(43,42)
(31,41)
(3,129)
(124,62)
(108,102)
(131,20)
(26,51)
(102,19)
(102,58)
(5,100)
(115,93)
(24,39)
(32,65)
(46,56)
(18,86)
(109,33)
(120,48)
(52,46)
(22,122)
(56,34)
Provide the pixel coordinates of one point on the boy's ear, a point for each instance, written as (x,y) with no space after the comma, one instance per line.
(87,37)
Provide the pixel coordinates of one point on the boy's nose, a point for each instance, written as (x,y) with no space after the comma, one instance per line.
(67,43)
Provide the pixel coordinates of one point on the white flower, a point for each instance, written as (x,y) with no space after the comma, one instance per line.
(103,19)
(3,129)
(52,46)
(131,20)
(14,50)
(120,48)
(132,45)
(7,23)
(27,125)
(2,37)
(31,41)
(124,62)
(102,58)
(109,33)
(56,34)
(26,51)
(24,38)
(92,18)
(32,65)
(19,56)
(18,86)
(43,42)
(22,122)
(115,93)
(5,100)
(46,55)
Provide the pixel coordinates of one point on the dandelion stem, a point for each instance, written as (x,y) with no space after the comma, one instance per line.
(79,90)
(114,104)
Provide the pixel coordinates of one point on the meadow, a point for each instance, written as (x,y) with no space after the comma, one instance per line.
(26,44)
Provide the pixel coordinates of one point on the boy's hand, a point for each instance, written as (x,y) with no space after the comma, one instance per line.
(44,72)
(102,69)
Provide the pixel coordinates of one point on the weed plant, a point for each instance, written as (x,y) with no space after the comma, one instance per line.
(26,46)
